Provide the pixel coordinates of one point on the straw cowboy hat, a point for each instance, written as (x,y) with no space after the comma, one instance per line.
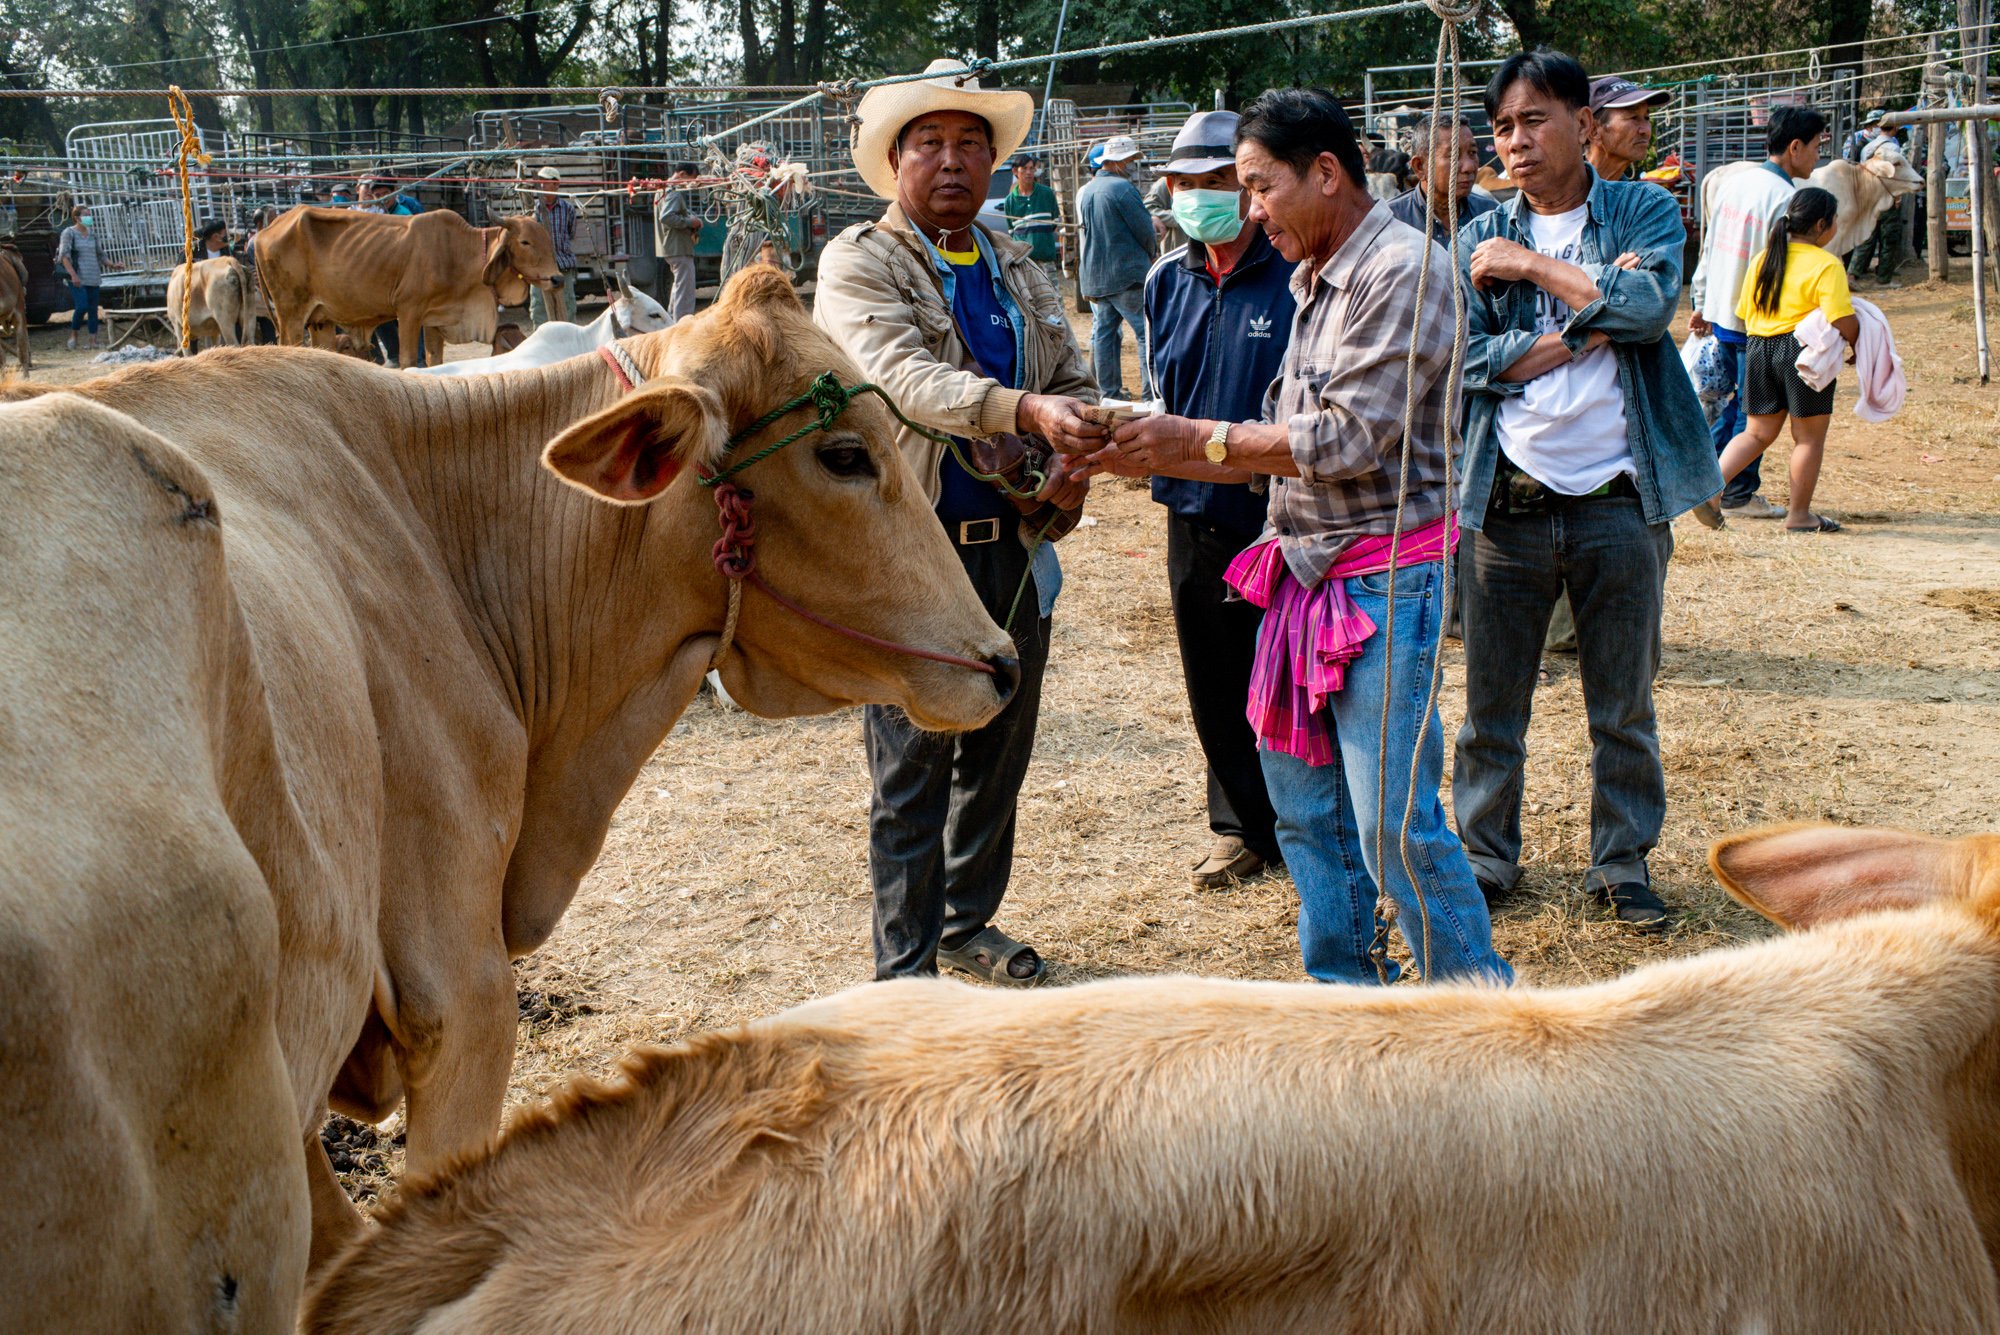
(886,110)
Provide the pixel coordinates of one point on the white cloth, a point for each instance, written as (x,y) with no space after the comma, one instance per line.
(1878,370)
(1566,428)
(1746,205)
(1822,351)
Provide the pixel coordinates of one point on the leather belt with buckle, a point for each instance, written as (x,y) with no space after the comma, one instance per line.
(973,532)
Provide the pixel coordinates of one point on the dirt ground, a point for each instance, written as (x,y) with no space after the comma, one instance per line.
(1851,677)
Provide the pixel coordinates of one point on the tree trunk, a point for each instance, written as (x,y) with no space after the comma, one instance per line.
(753,48)
(986,29)
(785,64)
(663,33)
(1528,21)
(1846,28)
(812,63)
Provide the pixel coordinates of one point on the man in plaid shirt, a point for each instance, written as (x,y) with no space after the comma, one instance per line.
(1331,451)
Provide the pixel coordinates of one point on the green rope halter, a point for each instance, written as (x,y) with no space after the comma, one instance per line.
(828,399)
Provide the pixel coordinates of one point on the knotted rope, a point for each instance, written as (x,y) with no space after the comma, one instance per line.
(1443,117)
(190,147)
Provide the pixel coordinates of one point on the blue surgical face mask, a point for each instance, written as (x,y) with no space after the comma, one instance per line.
(1209,216)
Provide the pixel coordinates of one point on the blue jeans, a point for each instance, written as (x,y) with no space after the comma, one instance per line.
(1327,813)
(1744,485)
(83,303)
(1105,338)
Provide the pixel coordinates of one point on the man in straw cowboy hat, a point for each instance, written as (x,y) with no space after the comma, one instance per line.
(965,332)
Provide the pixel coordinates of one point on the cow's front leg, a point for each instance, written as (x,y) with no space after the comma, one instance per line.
(409,338)
(335,1220)
(456,1019)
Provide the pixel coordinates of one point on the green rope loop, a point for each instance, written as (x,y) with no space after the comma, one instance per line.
(829,399)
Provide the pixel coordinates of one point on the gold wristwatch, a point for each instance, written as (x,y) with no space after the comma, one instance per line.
(1217,448)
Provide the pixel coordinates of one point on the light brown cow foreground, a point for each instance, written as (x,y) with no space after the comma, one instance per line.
(1791,1138)
(220,306)
(325,267)
(452,665)
(151,1156)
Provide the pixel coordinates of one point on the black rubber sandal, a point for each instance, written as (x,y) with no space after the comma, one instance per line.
(1636,906)
(987,957)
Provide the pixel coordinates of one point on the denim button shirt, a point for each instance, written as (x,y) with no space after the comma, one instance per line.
(1663,419)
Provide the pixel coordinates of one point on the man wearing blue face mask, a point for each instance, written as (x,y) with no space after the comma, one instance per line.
(1219,316)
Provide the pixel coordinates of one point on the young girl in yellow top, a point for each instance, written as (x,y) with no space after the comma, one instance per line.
(1790,279)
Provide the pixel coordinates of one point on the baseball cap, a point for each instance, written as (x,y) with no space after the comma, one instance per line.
(1206,143)
(1872,117)
(1122,148)
(549,174)
(1613,91)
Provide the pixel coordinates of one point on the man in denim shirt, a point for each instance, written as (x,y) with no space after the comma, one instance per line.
(1584,440)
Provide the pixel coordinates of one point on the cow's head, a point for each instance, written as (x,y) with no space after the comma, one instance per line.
(1803,875)
(638,313)
(843,525)
(1894,171)
(518,252)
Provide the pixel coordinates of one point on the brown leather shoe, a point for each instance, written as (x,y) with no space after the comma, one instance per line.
(1228,862)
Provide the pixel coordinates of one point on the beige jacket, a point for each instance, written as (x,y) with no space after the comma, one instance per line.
(880,298)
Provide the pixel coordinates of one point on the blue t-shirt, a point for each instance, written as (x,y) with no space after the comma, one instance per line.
(988,332)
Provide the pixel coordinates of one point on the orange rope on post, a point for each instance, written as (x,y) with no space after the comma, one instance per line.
(183,111)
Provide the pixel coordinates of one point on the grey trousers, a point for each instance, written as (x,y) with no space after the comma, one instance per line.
(1613,565)
(680,272)
(941,819)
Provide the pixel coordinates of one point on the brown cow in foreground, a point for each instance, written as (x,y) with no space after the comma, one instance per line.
(325,267)
(220,307)
(14,308)
(306,790)
(1795,1137)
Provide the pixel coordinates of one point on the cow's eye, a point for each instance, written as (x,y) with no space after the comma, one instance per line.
(846,460)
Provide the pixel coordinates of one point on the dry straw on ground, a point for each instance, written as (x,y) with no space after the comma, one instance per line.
(1850,677)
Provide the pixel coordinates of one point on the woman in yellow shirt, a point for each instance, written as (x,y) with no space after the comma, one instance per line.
(1789,280)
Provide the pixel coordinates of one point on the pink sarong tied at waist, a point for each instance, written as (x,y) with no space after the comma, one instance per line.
(1311,635)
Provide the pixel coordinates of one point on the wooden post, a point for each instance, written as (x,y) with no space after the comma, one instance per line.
(1935,169)
(1972,46)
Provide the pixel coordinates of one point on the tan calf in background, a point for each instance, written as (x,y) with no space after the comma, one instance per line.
(220,306)
(1795,1137)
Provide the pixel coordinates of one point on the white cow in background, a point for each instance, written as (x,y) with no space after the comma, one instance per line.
(630,312)
(1866,191)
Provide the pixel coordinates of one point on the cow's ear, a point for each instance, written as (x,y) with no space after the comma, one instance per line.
(1803,875)
(496,255)
(632,451)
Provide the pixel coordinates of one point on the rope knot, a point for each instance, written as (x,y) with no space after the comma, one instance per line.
(829,398)
(735,552)
(1454,11)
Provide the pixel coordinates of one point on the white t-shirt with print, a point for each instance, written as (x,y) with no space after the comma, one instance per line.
(1566,428)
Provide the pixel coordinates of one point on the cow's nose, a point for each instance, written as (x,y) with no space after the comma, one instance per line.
(1006,676)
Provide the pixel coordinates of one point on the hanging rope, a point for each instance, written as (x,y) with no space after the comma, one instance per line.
(1450,15)
(190,147)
